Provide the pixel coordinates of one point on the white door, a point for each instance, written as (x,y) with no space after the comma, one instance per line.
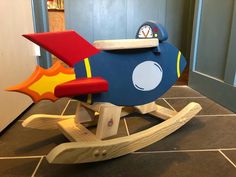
(16,56)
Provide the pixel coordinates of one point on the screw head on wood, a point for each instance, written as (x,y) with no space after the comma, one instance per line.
(96,153)
(104,152)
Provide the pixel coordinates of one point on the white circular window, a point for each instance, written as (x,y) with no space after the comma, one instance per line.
(147,75)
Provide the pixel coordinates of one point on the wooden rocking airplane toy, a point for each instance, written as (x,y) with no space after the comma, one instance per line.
(111,79)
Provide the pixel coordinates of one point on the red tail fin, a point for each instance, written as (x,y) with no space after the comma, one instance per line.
(67,45)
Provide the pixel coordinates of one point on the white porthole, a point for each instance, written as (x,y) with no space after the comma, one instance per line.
(147,76)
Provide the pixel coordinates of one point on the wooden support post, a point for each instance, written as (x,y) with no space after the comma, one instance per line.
(108,117)
(163,113)
(108,122)
(83,114)
(146,108)
(156,110)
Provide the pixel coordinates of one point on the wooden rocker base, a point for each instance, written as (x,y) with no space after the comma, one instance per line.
(87,147)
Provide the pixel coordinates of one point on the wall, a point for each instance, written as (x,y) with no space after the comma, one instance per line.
(117,19)
(16,55)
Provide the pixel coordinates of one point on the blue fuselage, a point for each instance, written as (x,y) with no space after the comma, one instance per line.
(135,76)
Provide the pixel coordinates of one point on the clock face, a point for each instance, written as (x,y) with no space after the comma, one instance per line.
(145,32)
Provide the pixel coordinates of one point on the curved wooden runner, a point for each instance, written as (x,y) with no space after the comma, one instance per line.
(81,152)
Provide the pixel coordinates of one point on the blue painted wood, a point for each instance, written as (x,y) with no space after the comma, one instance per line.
(79,16)
(212,87)
(40,18)
(139,11)
(179,20)
(218,91)
(230,70)
(174,20)
(214,37)
(106,19)
(118,67)
(195,37)
(109,19)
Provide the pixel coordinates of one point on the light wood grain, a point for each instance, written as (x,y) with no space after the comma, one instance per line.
(163,113)
(56,21)
(76,132)
(146,108)
(150,108)
(108,122)
(96,106)
(76,152)
(127,110)
(84,114)
(44,121)
(125,44)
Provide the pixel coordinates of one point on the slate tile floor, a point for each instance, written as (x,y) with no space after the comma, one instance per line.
(205,147)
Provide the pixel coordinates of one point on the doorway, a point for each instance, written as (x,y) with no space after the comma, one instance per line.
(56,20)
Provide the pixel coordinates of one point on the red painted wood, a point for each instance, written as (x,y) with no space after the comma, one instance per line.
(68,46)
(81,86)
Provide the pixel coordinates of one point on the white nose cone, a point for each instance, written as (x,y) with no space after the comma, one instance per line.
(147,76)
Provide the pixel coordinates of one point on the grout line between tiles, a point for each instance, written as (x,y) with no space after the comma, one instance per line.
(227,158)
(173,98)
(228,149)
(217,115)
(126,127)
(169,104)
(63,111)
(175,151)
(188,150)
(37,167)
(21,157)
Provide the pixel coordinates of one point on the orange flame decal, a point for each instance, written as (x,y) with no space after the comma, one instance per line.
(41,84)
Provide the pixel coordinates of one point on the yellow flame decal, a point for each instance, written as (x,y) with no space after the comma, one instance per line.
(41,84)
(50,82)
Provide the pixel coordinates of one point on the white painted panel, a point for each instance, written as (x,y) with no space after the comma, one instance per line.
(16,56)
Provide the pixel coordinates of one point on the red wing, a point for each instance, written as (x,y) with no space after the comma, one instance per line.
(81,86)
(68,46)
